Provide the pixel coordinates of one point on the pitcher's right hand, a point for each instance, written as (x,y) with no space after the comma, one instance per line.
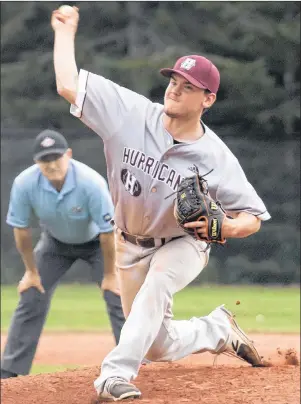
(65,19)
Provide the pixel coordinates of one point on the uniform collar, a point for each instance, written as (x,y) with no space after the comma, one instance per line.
(69,184)
(171,139)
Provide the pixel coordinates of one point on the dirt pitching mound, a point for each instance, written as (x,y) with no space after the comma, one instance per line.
(165,384)
(193,380)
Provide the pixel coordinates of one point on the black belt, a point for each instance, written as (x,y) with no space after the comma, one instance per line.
(145,242)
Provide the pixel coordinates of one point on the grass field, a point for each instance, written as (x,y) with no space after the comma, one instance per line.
(39,368)
(81,307)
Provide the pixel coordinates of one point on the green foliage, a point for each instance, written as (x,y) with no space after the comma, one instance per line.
(255,45)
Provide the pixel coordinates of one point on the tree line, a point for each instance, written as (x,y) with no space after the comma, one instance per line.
(256,46)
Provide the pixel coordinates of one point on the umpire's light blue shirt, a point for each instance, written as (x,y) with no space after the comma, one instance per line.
(75,215)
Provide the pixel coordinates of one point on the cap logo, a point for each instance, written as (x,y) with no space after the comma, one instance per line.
(77,209)
(188,63)
(47,142)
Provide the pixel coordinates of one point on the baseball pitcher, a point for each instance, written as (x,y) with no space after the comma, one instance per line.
(177,189)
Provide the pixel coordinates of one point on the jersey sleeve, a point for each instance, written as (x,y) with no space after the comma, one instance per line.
(236,194)
(101,206)
(103,105)
(20,210)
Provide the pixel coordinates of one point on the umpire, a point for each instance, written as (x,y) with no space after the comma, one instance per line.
(74,207)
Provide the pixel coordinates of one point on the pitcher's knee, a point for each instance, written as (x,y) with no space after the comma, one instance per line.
(158,284)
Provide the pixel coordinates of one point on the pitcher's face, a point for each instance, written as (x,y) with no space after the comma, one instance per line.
(184,99)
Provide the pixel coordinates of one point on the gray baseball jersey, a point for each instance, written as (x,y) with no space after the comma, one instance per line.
(145,167)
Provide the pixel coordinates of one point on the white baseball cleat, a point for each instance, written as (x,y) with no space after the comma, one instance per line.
(239,345)
(117,389)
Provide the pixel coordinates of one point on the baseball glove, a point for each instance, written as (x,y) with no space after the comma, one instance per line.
(193,203)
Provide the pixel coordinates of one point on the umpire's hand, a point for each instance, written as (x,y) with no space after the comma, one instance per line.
(30,280)
(111,282)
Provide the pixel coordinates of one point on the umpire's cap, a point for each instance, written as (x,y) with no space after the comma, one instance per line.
(198,70)
(49,142)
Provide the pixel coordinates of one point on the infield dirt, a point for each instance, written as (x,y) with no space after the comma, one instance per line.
(192,380)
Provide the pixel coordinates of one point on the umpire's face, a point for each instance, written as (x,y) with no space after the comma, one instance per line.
(55,166)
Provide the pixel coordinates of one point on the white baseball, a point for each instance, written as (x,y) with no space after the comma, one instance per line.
(260,318)
(66,10)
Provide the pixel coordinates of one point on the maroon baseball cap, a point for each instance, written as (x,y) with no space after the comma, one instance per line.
(198,70)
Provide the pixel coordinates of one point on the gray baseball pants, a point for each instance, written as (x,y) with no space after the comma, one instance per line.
(149,277)
(53,260)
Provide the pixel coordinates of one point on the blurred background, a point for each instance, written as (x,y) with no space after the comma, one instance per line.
(256,46)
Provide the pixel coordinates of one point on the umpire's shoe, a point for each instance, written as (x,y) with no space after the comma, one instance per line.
(239,345)
(117,389)
(6,374)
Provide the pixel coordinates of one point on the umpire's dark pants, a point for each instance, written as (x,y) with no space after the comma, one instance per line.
(53,259)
